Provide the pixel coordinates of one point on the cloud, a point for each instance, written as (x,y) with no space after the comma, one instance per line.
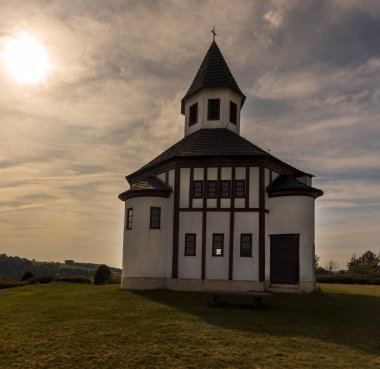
(310,71)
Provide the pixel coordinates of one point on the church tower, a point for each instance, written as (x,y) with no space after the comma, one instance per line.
(214,211)
(214,99)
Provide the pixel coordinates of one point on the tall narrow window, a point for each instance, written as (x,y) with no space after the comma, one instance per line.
(225,189)
(193,114)
(155,217)
(217,244)
(190,244)
(233,112)
(198,189)
(246,244)
(213,111)
(211,189)
(129,218)
(240,188)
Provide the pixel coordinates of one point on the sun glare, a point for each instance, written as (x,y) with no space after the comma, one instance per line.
(26,59)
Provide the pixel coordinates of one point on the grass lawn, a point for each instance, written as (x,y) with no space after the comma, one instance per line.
(85,326)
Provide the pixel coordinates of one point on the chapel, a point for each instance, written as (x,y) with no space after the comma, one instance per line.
(214,211)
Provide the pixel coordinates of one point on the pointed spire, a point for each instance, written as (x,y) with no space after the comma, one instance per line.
(213,73)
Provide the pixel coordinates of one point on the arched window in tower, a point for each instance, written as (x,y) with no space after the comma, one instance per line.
(213,111)
(233,112)
(193,114)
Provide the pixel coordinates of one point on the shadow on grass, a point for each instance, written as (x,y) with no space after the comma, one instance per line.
(343,318)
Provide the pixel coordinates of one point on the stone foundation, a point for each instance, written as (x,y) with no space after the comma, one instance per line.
(199,285)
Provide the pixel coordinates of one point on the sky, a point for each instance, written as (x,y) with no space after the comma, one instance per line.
(118,70)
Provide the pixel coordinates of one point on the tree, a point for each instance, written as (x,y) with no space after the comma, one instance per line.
(102,275)
(368,263)
(316,261)
(27,275)
(332,266)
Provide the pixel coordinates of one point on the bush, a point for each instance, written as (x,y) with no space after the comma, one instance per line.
(27,275)
(375,280)
(9,283)
(73,279)
(116,278)
(343,279)
(41,279)
(102,275)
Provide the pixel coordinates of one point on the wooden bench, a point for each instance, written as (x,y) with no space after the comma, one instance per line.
(257,296)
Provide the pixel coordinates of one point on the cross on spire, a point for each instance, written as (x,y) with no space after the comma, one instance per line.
(213,33)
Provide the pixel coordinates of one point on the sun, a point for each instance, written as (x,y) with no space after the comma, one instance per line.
(26,58)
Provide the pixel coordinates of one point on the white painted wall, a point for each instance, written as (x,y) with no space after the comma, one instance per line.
(212,174)
(161,176)
(293,214)
(225,95)
(190,266)
(226,173)
(254,187)
(217,266)
(185,188)
(246,268)
(171,178)
(145,250)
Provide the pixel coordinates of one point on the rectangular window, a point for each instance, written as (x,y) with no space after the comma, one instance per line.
(211,189)
(233,113)
(225,189)
(190,244)
(246,244)
(193,114)
(240,188)
(129,218)
(198,189)
(217,244)
(213,111)
(155,218)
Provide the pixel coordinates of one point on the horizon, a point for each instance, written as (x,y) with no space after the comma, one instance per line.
(114,77)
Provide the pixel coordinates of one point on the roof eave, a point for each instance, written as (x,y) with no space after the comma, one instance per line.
(143,193)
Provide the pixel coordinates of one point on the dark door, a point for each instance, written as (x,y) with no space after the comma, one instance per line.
(284,259)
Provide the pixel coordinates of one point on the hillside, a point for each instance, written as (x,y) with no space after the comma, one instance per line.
(14,267)
(85,326)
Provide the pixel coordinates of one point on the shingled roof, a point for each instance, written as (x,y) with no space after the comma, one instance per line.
(148,186)
(213,72)
(285,185)
(211,142)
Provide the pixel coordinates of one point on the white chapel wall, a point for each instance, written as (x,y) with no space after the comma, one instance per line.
(145,250)
(190,266)
(217,266)
(294,214)
(246,268)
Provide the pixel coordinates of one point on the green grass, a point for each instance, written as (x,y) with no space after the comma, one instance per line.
(85,326)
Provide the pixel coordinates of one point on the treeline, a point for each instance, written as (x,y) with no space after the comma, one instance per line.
(14,267)
(364,269)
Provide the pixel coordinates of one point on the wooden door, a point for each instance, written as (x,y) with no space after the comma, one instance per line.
(284,259)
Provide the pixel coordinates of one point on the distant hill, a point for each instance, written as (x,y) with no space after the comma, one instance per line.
(14,267)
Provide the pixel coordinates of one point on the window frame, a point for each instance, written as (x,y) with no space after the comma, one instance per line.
(215,243)
(215,184)
(209,117)
(152,221)
(233,108)
(244,188)
(221,189)
(129,219)
(193,109)
(187,242)
(249,254)
(195,196)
